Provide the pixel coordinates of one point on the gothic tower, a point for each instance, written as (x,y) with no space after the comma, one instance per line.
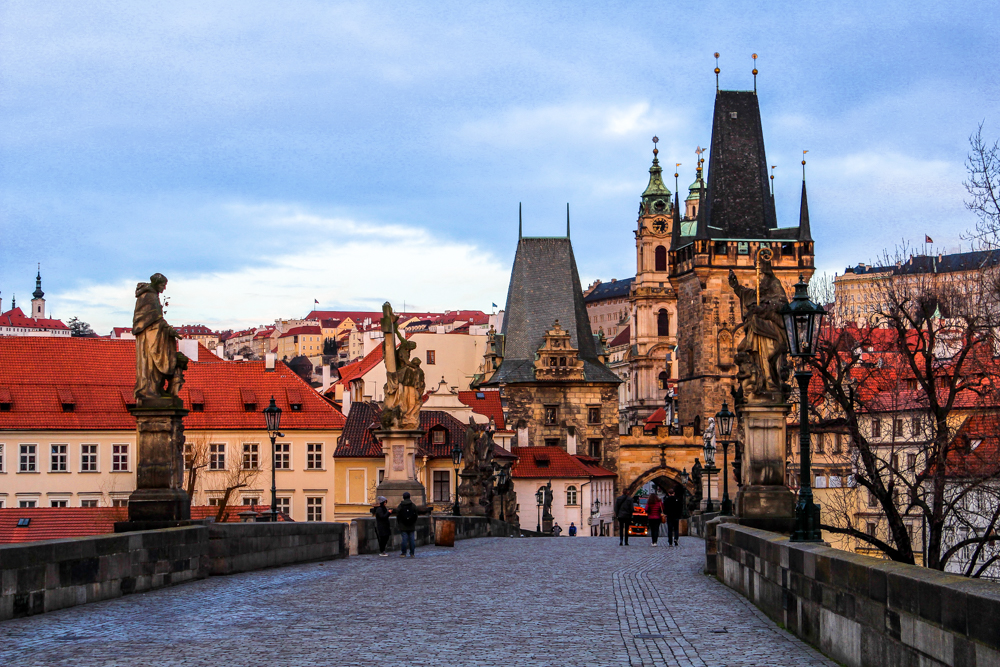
(735,220)
(38,298)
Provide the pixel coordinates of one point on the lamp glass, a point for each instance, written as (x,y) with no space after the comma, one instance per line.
(539,496)
(709,453)
(272,416)
(456,455)
(724,420)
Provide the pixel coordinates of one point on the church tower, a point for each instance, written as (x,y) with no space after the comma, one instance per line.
(735,225)
(653,303)
(38,298)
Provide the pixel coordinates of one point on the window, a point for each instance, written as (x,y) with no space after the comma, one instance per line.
(838,443)
(58,463)
(872,500)
(314,509)
(594,447)
(818,442)
(876,428)
(121,502)
(431,357)
(551,442)
(314,457)
(1,459)
(593,415)
(214,502)
(660,258)
(250,501)
(571,495)
(911,462)
(662,323)
(58,503)
(88,503)
(915,426)
(284,505)
(870,529)
(27,503)
(27,459)
(442,486)
(119,458)
(551,415)
(217,457)
(88,458)
(282,456)
(661,380)
(897,428)
(251,459)
(820,482)
(439,436)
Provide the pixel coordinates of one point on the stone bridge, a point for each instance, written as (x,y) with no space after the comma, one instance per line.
(488,601)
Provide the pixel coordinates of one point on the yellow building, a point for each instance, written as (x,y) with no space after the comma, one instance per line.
(304,341)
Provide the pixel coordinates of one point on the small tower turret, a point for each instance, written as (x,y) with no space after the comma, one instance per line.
(38,298)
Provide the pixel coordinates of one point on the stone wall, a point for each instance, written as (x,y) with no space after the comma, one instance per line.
(37,577)
(365,541)
(44,576)
(860,610)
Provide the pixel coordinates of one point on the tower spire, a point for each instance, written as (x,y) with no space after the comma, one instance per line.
(675,229)
(805,233)
(567,219)
(717,70)
(520,224)
(38,293)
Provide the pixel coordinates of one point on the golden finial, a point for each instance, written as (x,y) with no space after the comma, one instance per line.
(656,151)
(754,56)
(698,151)
(773,167)
(804,165)
(676,176)
(717,70)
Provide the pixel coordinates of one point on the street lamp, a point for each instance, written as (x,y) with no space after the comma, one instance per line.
(802,321)
(539,497)
(724,420)
(456,458)
(709,470)
(272,417)
(684,480)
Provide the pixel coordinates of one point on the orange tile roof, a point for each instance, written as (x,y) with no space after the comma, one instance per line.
(357,369)
(554,462)
(489,405)
(657,418)
(17,318)
(100,375)
(622,338)
(306,329)
(56,523)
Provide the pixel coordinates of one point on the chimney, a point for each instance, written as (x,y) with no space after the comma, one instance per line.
(326,377)
(189,348)
(269,360)
(220,351)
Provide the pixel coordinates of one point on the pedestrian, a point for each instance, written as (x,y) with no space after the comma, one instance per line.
(406,523)
(673,508)
(572,529)
(624,506)
(556,530)
(382,530)
(654,513)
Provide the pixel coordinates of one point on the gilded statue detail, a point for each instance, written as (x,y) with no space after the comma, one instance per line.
(159,367)
(404,379)
(762,355)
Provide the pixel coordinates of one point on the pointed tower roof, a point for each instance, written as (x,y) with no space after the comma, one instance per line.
(738,204)
(675,230)
(545,287)
(38,293)
(701,229)
(656,189)
(805,234)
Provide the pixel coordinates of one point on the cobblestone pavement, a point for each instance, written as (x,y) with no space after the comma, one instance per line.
(566,601)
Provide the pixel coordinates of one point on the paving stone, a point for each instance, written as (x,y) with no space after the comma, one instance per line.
(498,601)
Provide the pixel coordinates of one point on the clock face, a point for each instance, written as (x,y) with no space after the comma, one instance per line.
(660,225)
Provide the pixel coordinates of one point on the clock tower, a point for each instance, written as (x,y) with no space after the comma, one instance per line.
(653,303)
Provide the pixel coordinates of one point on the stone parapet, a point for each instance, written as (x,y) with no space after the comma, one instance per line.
(240,547)
(863,611)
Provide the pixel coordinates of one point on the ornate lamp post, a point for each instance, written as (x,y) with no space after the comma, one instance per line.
(272,417)
(539,497)
(456,458)
(709,470)
(684,480)
(724,421)
(802,321)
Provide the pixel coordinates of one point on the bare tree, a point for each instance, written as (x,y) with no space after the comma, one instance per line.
(239,472)
(821,289)
(901,389)
(983,186)
(195,458)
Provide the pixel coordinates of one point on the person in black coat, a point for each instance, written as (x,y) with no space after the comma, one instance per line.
(624,506)
(673,509)
(382,530)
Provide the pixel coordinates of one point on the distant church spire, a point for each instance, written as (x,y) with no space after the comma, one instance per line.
(805,234)
(567,219)
(38,293)
(520,224)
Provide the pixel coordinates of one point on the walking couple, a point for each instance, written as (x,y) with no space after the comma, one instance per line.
(658,511)
(406,522)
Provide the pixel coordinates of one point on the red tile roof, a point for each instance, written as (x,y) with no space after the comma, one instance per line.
(195,330)
(117,332)
(56,523)
(100,376)
(16,318)
(358,440)
(357,369)
(622,338)
(975,451)
(303,330)
(657,418)
(489,405)
(554,462)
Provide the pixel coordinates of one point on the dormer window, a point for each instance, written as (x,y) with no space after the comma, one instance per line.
(249,399)
(197,400)
(67,400)
(439,436)
(6,400)
(294,399)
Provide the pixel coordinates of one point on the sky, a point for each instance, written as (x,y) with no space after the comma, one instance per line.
(265,155)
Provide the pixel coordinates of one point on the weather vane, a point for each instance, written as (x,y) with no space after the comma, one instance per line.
(804,165)
(676,175)
(754,56)
(773,167)
(656,151)
(717,70)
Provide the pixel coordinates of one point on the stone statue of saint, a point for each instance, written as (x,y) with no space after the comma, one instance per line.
(547,502)
(404,379)
(469,446)
(159,367)
(762,355)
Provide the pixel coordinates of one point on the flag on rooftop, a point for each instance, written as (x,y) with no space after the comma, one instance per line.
(928,239)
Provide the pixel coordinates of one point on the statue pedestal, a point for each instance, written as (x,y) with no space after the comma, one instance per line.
(764,501)
(470,491)
(159,499)
(400,449)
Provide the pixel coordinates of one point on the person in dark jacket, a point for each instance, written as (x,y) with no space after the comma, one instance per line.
(624,506)
(673,509)
(654,514)
(382,529)
(406,523)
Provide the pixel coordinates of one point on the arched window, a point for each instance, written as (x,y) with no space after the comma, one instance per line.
(571,495)
(661,258)
(662,323)
(662,380)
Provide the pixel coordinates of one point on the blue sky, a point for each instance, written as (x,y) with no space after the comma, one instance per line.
(263,155)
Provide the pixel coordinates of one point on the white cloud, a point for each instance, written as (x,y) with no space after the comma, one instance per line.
(343,263)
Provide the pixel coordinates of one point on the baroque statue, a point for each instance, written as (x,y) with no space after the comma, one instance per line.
(762,355)
(159,367)
(404,379)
